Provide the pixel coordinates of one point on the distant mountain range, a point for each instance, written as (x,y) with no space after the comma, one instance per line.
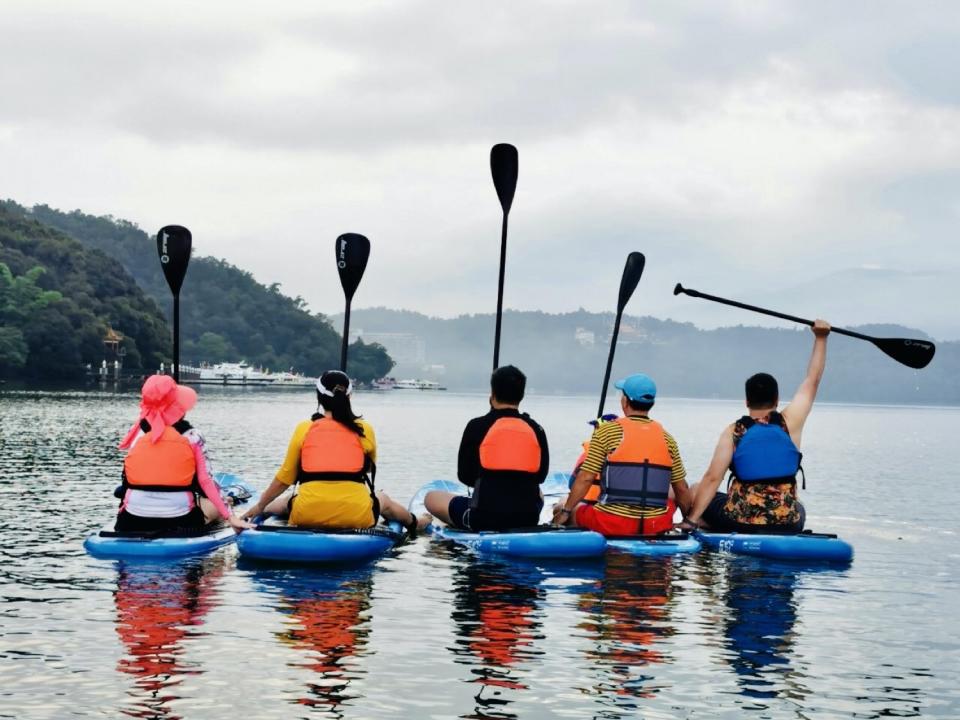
(567,353)
(227,315)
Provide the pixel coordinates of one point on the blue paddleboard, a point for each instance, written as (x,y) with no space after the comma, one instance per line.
(275,541)
(806,547)
(557,485)
(660,545)
(108,543)
(539,542)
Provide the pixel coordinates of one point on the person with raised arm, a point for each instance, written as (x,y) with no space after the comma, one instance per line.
(762,452)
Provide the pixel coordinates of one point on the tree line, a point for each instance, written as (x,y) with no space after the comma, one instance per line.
(104,274)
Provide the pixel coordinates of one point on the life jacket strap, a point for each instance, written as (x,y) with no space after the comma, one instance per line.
(193,487)
(365,475)
(360,477)
(767,481)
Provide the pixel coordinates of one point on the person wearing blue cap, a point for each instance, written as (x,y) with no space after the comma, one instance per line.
(642,478)
(762,452)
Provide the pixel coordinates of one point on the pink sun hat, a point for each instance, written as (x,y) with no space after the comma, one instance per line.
(162,403)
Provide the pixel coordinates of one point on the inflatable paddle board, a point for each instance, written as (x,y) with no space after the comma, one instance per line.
(108,543)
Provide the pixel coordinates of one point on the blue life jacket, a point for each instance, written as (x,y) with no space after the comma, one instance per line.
(765,453)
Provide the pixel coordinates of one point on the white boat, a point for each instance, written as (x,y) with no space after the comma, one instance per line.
(417,385)
(289,379)
(242,374)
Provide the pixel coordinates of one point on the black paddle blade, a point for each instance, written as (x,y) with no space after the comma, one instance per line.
(504,165)
(912,353)
(353,251)
(174,243)
(632,271)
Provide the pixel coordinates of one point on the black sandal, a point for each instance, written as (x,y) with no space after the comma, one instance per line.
(411,527)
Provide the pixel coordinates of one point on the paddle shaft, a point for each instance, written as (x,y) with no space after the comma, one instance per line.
(771,313)
(503,268)
(504,166)
(606,374)
(346,336)
(176,337)
(174,243)
(632,271)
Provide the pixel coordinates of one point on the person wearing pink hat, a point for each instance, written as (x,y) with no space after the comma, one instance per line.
(331,459)
(166,480)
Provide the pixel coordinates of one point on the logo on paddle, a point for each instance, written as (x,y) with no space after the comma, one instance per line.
(342,262)
(164,253)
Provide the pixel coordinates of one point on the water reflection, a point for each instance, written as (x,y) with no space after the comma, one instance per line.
(159,607)
(759,626)
(628,620)
(497,612)
(755,611)
(328,620)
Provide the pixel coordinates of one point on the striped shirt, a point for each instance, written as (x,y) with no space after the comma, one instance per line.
(605,439)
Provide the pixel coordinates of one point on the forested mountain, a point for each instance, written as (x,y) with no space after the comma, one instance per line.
(684,360)
(225,314)
(57,301)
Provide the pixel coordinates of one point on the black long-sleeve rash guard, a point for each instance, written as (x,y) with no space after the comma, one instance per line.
(502,491)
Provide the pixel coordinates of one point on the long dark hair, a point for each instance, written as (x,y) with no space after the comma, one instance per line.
(337,405)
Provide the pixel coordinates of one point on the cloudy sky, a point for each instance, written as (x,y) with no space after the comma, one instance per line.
(804,156)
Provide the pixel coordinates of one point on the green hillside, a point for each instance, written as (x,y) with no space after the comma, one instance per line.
(225,313)
(57,301)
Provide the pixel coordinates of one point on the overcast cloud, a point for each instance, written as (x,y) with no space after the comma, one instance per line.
(805,156)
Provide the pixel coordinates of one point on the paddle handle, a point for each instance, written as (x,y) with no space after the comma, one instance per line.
(503,267)
(763,311)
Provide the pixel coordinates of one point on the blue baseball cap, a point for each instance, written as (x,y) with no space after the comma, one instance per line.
(638,388)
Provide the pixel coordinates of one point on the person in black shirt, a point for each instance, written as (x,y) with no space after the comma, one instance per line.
(504,458)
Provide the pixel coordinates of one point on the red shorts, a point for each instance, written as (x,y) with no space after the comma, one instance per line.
(608,524)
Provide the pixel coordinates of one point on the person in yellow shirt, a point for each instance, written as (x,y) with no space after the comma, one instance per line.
(331,459)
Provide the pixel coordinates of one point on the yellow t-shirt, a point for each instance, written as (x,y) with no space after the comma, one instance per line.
(329,503)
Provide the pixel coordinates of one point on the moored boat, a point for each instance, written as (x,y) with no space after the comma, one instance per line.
(417,385)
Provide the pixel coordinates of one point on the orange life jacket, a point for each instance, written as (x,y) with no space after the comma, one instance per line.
(638,471)
(510,445)
(167,465)
(331,451)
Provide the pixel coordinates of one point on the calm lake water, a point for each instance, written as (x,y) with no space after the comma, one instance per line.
(431,632)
